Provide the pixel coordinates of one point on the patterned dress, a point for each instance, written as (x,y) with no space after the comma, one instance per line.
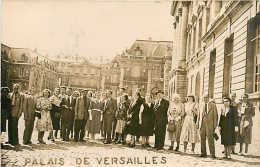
(45,123)
(174,111)
(94,125)
(121,117)
(190,131)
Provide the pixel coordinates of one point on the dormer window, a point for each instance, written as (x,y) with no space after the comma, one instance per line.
(138,51)
(24,57)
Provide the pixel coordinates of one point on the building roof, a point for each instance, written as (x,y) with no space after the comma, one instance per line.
(150,48)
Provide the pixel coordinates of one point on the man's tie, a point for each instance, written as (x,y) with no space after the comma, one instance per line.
(85,101)
(206,109)
(157,104)
(13,99)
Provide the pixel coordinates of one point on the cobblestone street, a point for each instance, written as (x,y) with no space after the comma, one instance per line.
(97,154)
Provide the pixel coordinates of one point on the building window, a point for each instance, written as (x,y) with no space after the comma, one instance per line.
(115,64)
(136,71)
(228,63)
(257,61)
(22,71)
(191,83)
(114,79)
(24,57)
(92,71)
(212,73)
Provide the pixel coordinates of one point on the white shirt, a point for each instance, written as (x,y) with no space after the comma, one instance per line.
(243,108)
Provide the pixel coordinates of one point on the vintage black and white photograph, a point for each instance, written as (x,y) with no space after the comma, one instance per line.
(130,83)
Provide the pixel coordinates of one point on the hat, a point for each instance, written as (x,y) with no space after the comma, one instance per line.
(83,90)
(159,91)
(63,87)
(5,88)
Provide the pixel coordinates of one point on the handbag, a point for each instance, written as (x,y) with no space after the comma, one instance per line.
(38,114)
(216,136)
(171,127)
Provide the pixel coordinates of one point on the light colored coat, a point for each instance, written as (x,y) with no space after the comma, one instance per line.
(81,112)
(29,107)
(212,116)
(17,108)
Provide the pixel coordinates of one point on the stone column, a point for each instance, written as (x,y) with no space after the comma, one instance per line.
(204,20)
(122,73)
(174,43)
(177,42)
(149,80)
(180,37)
(197,35)
(188,49)
(183,35)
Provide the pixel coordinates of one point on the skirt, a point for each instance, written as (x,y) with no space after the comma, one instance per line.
(94,126)
(228,137)
(189,132)
(120,126)
(45,123)
(175,136)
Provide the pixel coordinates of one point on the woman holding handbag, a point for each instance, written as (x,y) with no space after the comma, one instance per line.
(175,115)
(55,113)
(44,123)
(190,131)
(228,125)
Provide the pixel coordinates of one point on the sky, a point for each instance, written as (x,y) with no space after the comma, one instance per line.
(89,29)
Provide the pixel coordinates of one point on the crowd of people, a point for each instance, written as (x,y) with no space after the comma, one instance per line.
(79,115)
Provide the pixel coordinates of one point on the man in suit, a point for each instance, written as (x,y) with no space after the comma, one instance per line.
(160,119)
(29,107)
(17,107)
(81,116)
(67,105)
(109,116)
(72,103)
(207,123)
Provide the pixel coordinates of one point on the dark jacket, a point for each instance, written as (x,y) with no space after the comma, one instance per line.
(160,112)
(230,120)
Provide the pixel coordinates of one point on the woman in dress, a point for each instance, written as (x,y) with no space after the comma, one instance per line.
(133,116)
(44,122)
(95,112)
(146,120)
(227,126)
(175,115)
(55,113)
(121,116)
(189,132)
(246,112)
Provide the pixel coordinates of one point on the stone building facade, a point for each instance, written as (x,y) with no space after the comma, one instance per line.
(28,69)
(145,65)
(216,49)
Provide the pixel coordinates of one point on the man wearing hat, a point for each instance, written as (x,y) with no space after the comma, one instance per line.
(5,109)
(160,119)
(81,115)
(29,107)
(16,112)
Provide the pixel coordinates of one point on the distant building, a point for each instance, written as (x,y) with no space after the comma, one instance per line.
(28,69)
(143,66)
(79,74)
(216,49)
